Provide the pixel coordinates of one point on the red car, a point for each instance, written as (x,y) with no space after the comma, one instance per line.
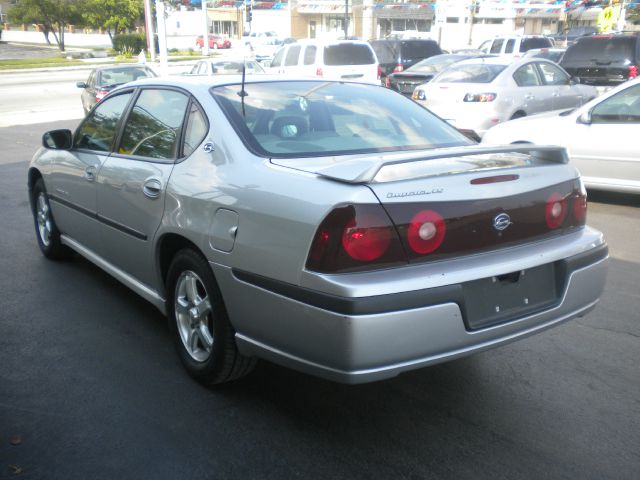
(215,41)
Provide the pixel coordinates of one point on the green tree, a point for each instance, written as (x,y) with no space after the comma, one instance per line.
(54,15)
(116,16)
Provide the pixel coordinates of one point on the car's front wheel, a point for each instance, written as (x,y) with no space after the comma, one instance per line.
(47,231)
(198,318)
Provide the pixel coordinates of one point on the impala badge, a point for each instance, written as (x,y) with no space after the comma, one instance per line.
(501,221)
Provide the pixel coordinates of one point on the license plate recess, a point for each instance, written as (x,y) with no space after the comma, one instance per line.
(493,300)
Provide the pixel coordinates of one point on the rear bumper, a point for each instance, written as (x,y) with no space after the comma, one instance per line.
(363,339)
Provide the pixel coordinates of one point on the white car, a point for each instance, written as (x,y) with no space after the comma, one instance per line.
(475,95)
(601,137)
(349,60)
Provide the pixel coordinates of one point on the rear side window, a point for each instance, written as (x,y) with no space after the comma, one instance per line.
(292,56)
(606,49)
(154,124)
(99,129)
(411,49)
(510,44)
(310,55)
(348,54)
(531,43)
(195,130)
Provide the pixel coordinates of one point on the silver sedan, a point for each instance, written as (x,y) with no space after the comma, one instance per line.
(600,137)
(337,228)
(478,94)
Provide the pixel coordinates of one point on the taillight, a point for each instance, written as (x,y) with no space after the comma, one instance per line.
(355,237)
(399,68)
(633,71)
(555,210)
(379,72)
(319,72)
(580,205)
(100,94)
(387,82)
(480,97)
(426,232)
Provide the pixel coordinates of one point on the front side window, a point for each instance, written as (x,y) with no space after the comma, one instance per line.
(526,76)
(153,127)
(313,118)
(624,107)
(497,46)
(553,75)
(98,131)
(277,59)
(292,56)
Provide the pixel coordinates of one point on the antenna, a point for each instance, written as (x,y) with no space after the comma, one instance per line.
(243,93)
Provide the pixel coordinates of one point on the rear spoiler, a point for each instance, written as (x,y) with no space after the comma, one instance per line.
(365,170)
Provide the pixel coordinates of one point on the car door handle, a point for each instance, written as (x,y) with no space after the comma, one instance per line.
(90,173)
(529,97)
(555,94)
(152,188)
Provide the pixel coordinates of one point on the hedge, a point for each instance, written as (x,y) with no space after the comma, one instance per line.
(133,41)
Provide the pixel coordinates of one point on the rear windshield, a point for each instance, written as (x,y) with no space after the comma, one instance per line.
(539,42)
(412,49)
(473,73)
(436,63)
(589,49)
(348,54)
(313,118)
(118,76)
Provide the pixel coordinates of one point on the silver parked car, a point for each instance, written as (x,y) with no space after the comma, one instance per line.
(337,228)
(478,94)
(225,66)
(600,137)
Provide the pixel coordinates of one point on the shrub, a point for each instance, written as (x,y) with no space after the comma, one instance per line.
(130,41)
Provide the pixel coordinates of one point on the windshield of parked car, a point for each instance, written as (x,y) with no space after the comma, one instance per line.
(314,118)
(470,73)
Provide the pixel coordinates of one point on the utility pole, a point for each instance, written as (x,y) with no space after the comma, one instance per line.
(162,37)
(346,19)
(472,15)
(205,36)
(148,26)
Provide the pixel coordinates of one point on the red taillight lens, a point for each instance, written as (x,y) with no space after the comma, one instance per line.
(364,239)
(426,232)
(319,72)
(633,71)
(379,71)
(580,205)
(399,68)
(100,94)
(556,210)
(355,237)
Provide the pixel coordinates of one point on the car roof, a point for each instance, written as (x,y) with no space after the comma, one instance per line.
(502,61)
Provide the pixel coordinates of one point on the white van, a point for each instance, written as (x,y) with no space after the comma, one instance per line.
(341,59)
(514,45)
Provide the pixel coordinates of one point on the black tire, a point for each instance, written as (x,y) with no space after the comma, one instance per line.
(47,232)
(518,115)
(211,364)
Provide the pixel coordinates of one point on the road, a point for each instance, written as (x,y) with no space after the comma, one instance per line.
(91,386)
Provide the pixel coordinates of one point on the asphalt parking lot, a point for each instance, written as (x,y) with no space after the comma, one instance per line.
(91,386)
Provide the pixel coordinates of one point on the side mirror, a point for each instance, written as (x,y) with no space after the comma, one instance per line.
(574,81)
(58,139)
(585,118)
(81,85)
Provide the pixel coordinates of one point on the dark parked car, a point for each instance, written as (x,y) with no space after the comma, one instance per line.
(398,55)
(604,60)
(573,35)
(423,71)
(104,79)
